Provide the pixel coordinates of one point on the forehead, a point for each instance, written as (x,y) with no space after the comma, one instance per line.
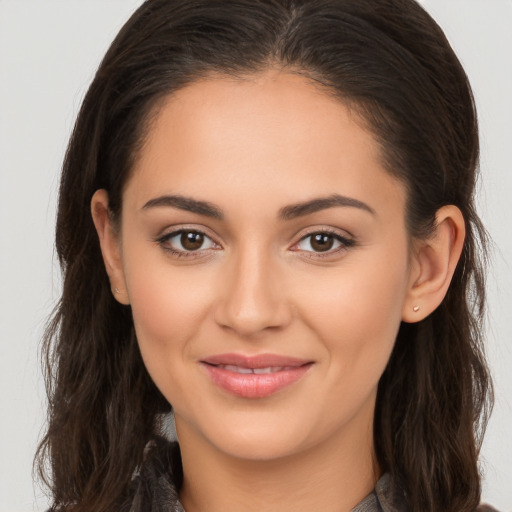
(274,134)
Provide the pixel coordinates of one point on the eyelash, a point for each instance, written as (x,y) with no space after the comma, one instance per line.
(179,253)
(346,243)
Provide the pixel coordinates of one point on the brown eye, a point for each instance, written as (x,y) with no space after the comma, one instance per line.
(191,240)
(185,241)
(324,242)
(321,242)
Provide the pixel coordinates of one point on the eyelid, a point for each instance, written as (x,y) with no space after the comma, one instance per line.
(347,241)
(179,228)
(312,230)
(173,231)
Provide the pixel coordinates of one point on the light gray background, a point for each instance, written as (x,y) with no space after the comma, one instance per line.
(49,50)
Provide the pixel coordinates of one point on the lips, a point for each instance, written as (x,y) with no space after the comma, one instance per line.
(254,376)
(258,371)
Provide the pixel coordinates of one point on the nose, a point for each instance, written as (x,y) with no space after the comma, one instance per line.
(253,298)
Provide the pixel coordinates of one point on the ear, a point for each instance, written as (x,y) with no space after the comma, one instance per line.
(433,265)
(110,245)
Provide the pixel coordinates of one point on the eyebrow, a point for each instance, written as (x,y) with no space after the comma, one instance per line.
(289,212)
(186,203)
(322,203)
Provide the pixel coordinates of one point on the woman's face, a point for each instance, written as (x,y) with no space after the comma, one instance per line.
(265,258)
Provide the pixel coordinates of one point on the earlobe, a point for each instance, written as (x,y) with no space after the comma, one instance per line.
(435,260)
(109,244)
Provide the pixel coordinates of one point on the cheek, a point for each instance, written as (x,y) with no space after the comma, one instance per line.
(168,301)
(357,314)
(168,310)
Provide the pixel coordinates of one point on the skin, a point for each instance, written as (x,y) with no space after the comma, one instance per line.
(251,147)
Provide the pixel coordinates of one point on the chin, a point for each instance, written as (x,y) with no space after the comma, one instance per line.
(265,439)
(253,437)
(261,448)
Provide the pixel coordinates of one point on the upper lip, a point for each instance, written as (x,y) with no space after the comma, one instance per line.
(255,361)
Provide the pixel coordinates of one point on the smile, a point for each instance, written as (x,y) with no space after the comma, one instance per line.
(254,376)
(259,371)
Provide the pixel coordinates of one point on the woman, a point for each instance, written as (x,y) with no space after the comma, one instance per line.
(266,225)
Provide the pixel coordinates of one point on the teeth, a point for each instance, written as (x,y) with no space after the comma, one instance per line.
(258,371)
(268,369)
(236,369)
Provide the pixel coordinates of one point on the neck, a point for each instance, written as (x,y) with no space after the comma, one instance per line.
(333,477)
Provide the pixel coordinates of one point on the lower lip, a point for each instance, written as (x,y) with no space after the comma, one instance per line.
(252,385)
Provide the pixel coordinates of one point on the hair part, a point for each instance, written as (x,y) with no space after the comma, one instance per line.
(389,62)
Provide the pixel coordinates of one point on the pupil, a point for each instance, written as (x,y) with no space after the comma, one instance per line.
(192,241)
(322,242)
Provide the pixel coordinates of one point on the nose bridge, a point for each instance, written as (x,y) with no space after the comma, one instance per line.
(252,299)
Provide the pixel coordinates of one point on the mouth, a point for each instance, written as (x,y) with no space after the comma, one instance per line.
(258,371)
(254,376)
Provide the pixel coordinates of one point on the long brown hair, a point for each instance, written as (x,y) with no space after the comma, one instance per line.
(388,60)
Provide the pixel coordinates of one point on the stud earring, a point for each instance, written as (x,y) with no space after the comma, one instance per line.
(416,309)
(116,290)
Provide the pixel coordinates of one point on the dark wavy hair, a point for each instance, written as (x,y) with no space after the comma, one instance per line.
(390,62)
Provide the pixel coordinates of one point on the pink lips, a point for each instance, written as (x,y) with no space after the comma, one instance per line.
(254,376)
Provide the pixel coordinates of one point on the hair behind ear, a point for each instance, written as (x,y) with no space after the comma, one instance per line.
(435,396)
